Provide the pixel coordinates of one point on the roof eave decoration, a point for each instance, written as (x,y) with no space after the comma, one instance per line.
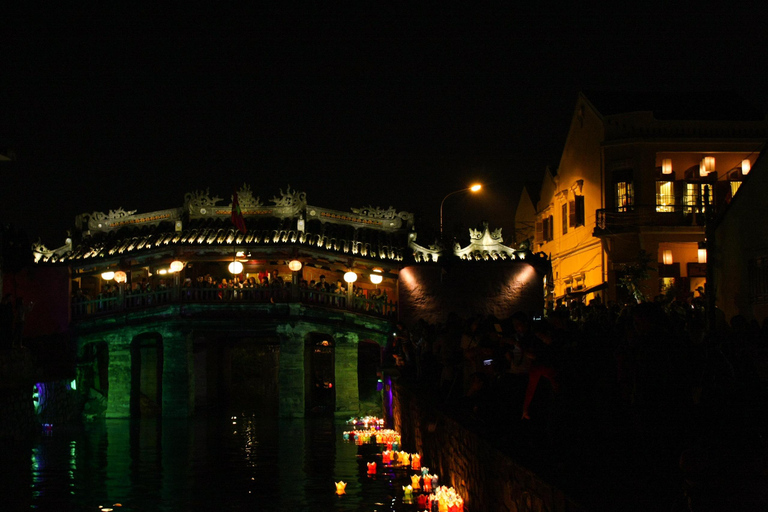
(366,217)
(423,254)
(41,252)
(486,245)
(115,219)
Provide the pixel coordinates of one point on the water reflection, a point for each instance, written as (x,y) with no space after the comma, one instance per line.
(242,462)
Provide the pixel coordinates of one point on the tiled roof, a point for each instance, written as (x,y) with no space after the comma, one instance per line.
(261,232)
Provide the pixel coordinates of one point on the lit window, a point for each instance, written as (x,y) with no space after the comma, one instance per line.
(625,194)
(697,195)
(665,196)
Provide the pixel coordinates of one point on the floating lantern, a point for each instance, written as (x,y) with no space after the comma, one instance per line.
(405,458)
(408,490)
(424,471)
(371,468)
(415,482)
(386,457)
(427,483)
(415,462)
(341,488)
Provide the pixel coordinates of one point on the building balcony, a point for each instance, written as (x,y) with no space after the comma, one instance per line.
(105,305)
(627,219)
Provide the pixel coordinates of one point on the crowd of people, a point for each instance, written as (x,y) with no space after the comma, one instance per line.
(267,286)
(591,378)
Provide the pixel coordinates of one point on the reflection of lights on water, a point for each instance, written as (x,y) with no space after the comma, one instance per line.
(72,464)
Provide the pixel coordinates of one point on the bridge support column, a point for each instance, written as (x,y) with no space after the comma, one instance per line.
(347,392)
(291,372)
(119,377)
(178,375)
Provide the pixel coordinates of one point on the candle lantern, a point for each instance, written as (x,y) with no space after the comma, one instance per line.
(341,488)
(427,483)
(424,471)
(371,468)
(386,457)
(415,482)
(405,458)
(415,462)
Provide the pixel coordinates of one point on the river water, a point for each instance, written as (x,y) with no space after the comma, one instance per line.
(224,463)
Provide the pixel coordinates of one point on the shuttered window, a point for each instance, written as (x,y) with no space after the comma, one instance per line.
(576,215)
(565,217)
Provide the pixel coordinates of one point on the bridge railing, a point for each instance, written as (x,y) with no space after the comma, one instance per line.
(104,305)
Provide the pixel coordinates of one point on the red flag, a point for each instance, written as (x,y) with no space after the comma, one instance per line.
(237,214)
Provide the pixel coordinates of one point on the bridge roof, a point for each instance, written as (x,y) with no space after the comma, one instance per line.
(205,233)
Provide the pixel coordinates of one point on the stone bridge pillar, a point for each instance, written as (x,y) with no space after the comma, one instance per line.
(291,371)
(119,373)
(178,377)
(347,393)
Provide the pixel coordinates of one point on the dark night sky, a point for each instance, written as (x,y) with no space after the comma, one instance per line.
(133,107)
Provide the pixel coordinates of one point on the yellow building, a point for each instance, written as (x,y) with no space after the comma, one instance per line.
(636,174)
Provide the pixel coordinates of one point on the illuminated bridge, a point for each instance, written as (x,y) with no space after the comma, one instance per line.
(178,310)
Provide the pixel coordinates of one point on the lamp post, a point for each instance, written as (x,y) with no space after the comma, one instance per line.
(473,188)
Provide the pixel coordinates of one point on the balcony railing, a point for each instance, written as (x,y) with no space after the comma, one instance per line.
(104,305)
(631,218)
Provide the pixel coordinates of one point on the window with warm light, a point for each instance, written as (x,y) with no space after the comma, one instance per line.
(696,197)
(625,194)
(665,196)
(624,190)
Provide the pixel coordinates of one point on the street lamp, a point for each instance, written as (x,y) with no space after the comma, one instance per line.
(473,188)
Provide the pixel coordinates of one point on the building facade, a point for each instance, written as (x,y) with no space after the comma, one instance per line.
(740,266)
(624,215)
